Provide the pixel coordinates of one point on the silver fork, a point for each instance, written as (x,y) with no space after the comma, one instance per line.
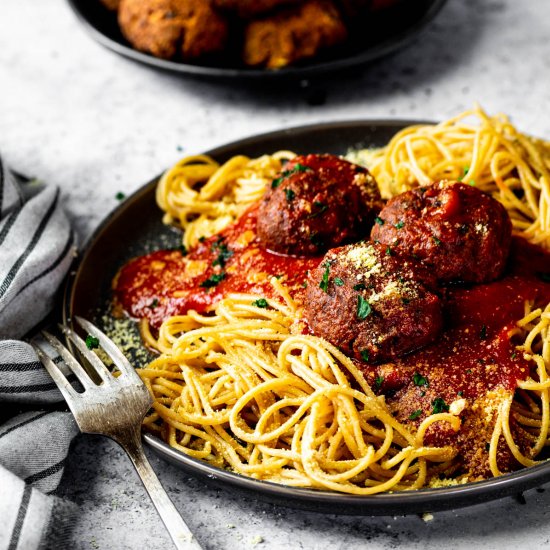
(114,408)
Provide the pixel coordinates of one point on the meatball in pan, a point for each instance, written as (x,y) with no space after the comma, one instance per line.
(462,233)
(293,34)
(173,29)
(316,203)
(372,303)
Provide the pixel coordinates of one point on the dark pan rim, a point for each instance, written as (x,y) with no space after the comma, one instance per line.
(400,502)
(375,51)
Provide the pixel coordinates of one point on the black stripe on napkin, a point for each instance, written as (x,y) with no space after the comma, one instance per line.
(36,237)
(47,472)
(10,220)
(20,517)
(57,261)
(20,367)
(24,423)
(27,366)
(28,389)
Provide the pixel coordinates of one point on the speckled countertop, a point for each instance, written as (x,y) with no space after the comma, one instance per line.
(76,115)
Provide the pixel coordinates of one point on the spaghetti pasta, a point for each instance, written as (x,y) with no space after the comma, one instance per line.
(202,197)
(473,147)
(243,388)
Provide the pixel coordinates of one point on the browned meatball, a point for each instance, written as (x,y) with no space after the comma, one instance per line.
(316,203)
(251,8)
(462,233)
(293,34)
(184,29)
(372,303)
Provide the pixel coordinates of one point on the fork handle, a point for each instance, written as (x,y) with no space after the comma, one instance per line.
(181,535)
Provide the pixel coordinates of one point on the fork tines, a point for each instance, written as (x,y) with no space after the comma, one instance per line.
(91,357)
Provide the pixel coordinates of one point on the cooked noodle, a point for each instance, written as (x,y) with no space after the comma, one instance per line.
(242,388)
(488,152)
(202,197)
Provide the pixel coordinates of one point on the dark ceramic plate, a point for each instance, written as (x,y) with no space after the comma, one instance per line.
(380,35)
(135,228)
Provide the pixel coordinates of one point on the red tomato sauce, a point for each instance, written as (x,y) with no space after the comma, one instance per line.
(166,283)
(474,356)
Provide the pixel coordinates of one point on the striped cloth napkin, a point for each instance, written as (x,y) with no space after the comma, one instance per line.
(36,248)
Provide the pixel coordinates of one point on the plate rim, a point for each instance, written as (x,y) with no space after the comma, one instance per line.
(399,502)
(378,50)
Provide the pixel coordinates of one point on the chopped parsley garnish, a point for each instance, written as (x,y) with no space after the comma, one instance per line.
(468,371)
(513,356)
(466,170)
(365,355)
(223,253)
(460,393)
(202,239)
(304,284)
(260,302)
(298,168)
(420,380)
(379,220)
(439,405)
(182,249)
(483,332)
(323,285)
(322,208)
(213,280)
(378,381)
(359,286)
(415,414)
(92,342)
(363,307)
(472,183)
(436,240)
(399,225)
(487,446)
(338,281)
(153,304)
(120,196)
(388,251)
(290,194)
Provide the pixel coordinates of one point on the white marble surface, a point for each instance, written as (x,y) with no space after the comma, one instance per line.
(76,115)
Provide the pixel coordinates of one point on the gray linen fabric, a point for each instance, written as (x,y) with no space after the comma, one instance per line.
(36,248)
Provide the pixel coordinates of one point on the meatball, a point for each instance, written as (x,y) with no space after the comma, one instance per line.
(184,29)
(317,202)
(373,303)
(251,8)
(462,233)
(293,34)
